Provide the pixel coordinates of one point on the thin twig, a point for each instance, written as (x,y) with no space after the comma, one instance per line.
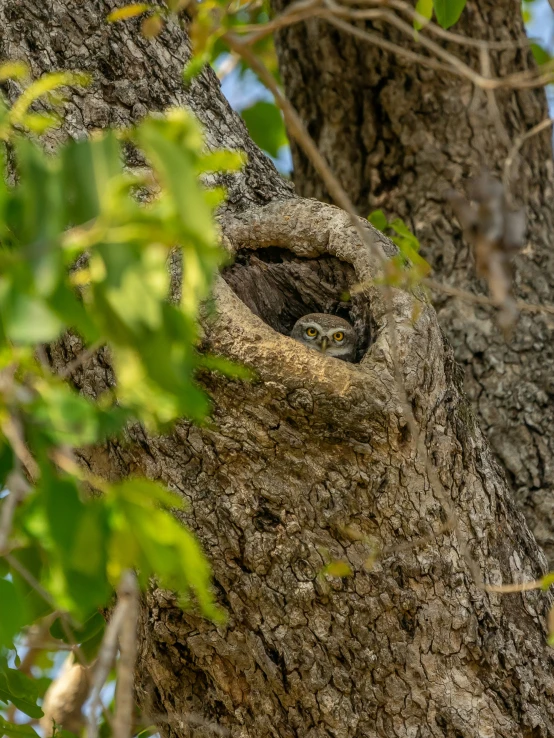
(306,9)
(521,305)
(538,128)
(456,65)
(13,430)
(509,588)
(486,71)
(333,12)
(107,654)
(428,25)
(17,489)
(124,696)
(330,15)
(106,658)
(30,579)
(81,658)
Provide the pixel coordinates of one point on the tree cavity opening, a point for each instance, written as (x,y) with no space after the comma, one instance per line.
(280,287)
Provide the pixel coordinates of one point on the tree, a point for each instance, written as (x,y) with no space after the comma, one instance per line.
(354,515)
(399,135)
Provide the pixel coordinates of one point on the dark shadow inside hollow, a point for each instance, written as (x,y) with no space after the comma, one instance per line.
(280,288)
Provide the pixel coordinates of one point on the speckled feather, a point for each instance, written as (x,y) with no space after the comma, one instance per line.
(326,339)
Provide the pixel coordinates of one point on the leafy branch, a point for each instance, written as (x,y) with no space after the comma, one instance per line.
(80,253)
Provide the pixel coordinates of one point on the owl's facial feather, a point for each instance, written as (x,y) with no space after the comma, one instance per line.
(328,334)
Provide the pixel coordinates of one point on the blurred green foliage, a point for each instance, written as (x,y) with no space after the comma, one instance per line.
(210,20)
(408,267)
(80,253)
(265,125)
(447,12)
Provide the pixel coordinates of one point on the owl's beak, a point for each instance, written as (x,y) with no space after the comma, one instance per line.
(324,344)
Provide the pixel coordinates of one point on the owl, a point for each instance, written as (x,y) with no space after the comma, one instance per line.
(329,334)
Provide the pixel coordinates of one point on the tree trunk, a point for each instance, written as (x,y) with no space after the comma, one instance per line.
(314,462)
(399,136)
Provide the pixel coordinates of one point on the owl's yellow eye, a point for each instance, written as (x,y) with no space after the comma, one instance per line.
(311,332)
(338,336)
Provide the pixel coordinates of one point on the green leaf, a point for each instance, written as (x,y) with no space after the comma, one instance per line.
(424,8)
(448,11)
(407,250)
(92,174)
(81,200)
(378,220)
(150,730)
(540,54)
(13,70)
(77,543)
(218,161)
(28,320)
(31,558)
(70,418)
(194,67)
(128,11)
(40,87)
(338,569)
(402,229)
(226,367)
(265,124)
(7,463)
(139,295)
(40,122)
(40,198)
(20,690)
(547,581)
(17,730)
(92,625)
(151,539)
(12,613)
(174,164)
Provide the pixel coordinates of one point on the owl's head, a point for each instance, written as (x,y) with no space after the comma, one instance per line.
(328,334)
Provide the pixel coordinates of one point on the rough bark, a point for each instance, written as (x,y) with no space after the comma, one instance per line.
(314,449)
(296,461)
(398,137)
(131,77)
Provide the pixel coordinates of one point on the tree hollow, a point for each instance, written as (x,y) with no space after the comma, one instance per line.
(280,287)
